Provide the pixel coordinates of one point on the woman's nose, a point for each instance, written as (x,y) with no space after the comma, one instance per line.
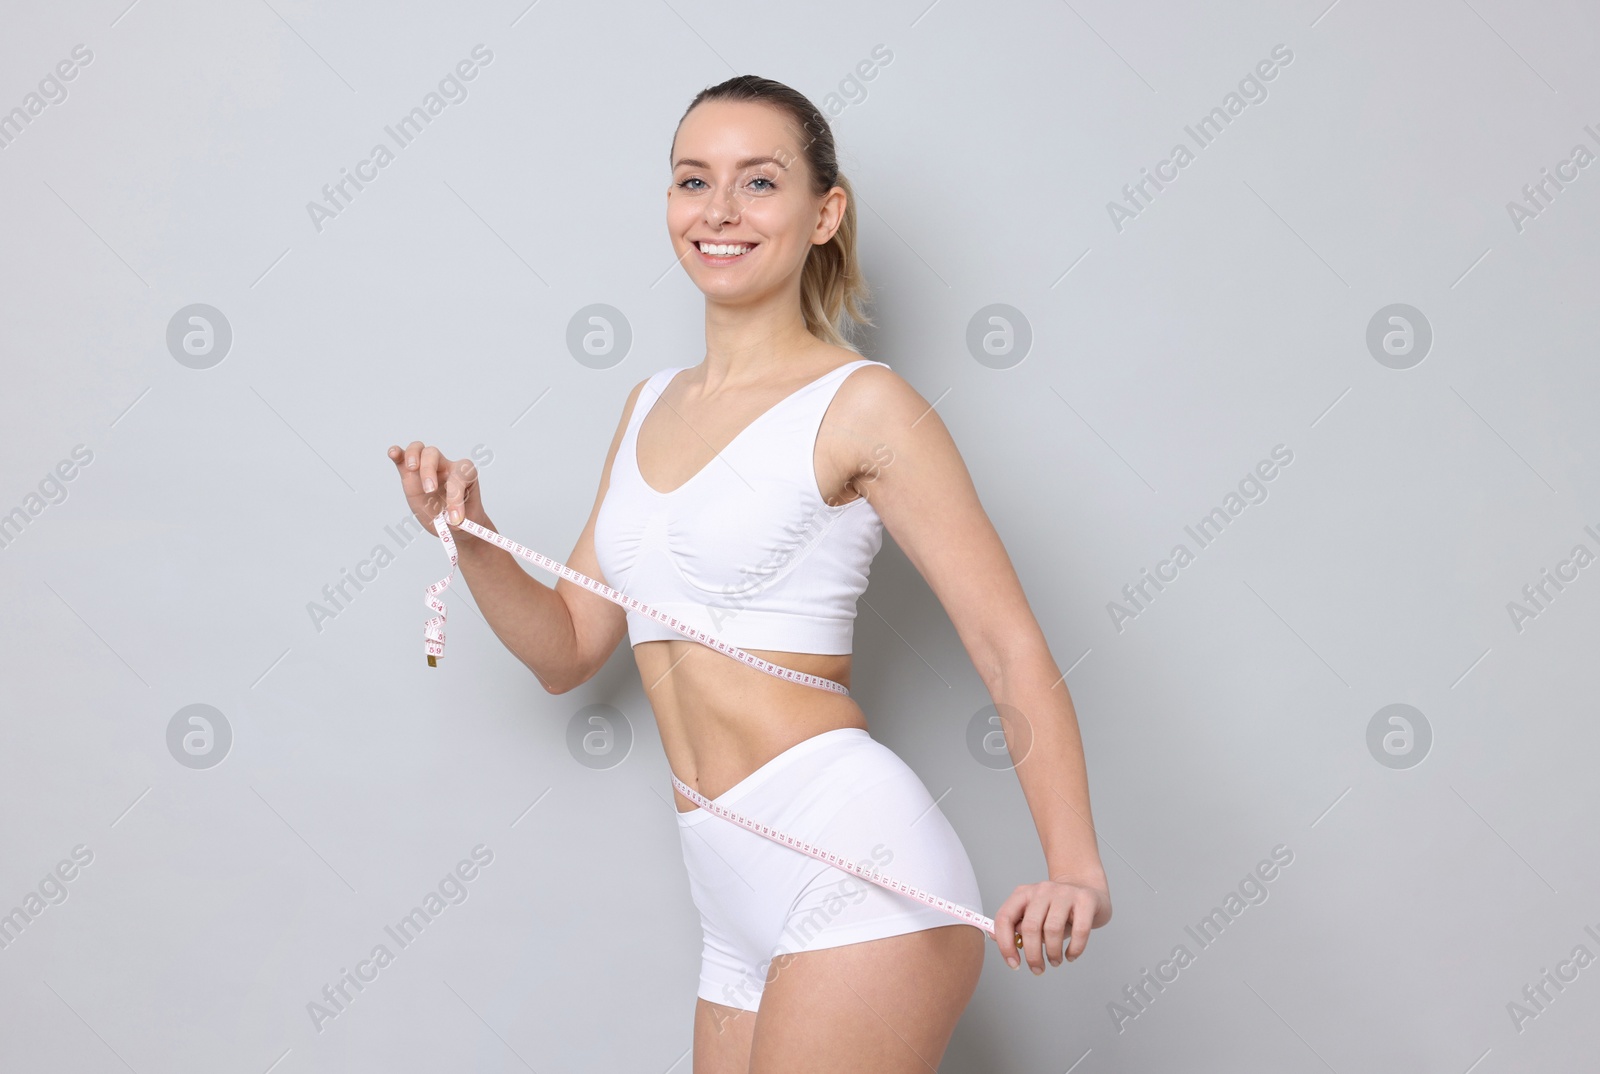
(724,206)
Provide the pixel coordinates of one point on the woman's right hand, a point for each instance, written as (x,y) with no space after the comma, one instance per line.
(433,483)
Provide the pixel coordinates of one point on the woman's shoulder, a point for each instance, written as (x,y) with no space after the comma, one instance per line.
(875,396)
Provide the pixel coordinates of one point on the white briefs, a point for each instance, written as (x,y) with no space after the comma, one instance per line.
(847,793)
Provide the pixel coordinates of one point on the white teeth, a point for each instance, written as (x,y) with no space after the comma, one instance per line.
(723,249)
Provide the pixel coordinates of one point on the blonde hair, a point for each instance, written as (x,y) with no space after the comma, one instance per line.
(833,292)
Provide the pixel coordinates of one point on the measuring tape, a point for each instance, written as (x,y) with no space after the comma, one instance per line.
(433,629)
(971,917)
(433,644)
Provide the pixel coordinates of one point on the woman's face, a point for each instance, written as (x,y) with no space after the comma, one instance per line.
(738,178)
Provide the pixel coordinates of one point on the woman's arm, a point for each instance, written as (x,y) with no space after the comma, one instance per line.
(563,634)
(927,501)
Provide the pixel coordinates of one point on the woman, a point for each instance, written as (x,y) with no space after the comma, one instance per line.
(747,496)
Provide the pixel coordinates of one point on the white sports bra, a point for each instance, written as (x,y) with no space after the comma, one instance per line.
(746,550)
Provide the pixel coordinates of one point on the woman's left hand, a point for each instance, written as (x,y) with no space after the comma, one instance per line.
(1048,915)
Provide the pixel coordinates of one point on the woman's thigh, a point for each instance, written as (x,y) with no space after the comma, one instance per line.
(722,1037)
(885,1006)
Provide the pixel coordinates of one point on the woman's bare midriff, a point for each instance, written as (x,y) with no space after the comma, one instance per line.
(721,719)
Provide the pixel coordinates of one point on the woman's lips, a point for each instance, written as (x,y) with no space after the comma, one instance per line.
(710,259)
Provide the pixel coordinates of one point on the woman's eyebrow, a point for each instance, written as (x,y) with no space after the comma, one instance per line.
(747,162)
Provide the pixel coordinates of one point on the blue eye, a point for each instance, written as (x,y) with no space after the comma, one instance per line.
(757,179)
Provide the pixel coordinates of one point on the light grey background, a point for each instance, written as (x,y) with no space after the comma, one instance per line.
(1168,357)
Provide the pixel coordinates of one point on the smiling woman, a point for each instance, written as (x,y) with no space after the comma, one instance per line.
(799,153)
(741,503)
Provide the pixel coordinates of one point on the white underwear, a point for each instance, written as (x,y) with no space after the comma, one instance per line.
(759,899)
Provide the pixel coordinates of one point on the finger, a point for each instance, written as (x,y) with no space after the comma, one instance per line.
(1082,921)
(410,476)
(1005,930)
(1032,929)
(428,467)
(455,493)
(434,468)
(469,482)
(1056,934)
(398,456)
(467,474)
(413,483)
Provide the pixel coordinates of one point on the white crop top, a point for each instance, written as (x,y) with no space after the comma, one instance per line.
(746,550)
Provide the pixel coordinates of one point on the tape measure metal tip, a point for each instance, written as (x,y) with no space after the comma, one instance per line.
(433,661)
